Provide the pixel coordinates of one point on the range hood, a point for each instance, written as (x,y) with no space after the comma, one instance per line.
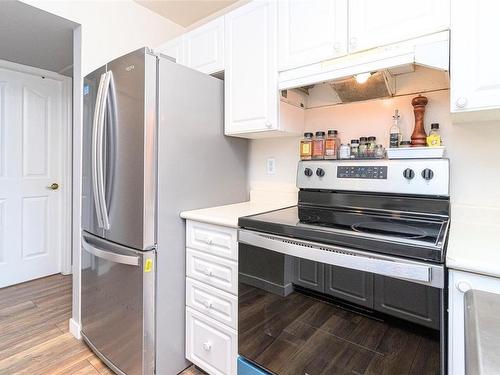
(414,66)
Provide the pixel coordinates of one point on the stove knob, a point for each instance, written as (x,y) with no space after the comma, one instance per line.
(427,174)
(308,172)
(408,174)
(320,172)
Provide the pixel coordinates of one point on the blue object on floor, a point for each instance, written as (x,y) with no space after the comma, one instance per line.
(246,368)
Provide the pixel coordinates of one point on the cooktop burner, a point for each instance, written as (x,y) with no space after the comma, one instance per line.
(391,229)
(389,233)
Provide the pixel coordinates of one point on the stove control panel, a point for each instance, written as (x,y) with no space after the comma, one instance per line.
(411,176)
(368,172)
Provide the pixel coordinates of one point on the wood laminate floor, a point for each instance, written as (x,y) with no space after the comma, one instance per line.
(34,335)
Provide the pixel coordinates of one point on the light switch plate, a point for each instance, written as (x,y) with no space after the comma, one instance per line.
(271,166)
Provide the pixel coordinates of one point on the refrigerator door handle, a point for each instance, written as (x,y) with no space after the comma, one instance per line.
(112,257)
(100,154)
(95,135)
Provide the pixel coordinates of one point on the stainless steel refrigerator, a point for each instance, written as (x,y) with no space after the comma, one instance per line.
(153,146)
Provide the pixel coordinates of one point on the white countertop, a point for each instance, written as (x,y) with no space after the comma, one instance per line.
(474,244)
(228,215)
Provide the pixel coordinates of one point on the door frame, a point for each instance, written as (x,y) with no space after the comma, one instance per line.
(67,136)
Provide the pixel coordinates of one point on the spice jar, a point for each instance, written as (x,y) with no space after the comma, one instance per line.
(379,152)
(344,151)
(306,147)
(318,146)
(331,145)
(372,144)
(434,138)
(354,148)
(405,144)
(363,148)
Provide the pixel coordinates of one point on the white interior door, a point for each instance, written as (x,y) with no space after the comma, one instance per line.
(31,159)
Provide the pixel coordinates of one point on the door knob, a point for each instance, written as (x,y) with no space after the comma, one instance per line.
(53,186)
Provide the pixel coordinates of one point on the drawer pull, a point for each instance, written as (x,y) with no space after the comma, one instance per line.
(207,346)
(209,241)
(207,271)
(207,304)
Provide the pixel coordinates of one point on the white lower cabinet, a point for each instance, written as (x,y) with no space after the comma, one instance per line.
(209,344)
(212,297)
(459,283)
(212,302)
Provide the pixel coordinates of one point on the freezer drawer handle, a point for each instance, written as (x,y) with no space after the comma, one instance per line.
(112,257)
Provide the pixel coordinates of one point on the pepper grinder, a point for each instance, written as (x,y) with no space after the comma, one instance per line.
(419,137)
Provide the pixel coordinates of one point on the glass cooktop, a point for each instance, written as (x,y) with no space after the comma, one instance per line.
(391,233)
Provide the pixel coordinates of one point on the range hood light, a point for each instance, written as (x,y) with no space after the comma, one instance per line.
(362,77)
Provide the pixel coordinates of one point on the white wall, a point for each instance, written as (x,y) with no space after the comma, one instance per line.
(111,28)
(473,148)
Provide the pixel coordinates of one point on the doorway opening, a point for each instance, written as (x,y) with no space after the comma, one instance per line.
(36,137)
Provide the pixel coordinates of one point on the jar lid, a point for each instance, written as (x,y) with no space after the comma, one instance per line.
(363,139)
(354,141)
(405,143)
(372,138)
(320,134)
(332,132)
(435,125)
(308,135)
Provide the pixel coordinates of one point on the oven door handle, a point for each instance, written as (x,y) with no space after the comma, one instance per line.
(432,275)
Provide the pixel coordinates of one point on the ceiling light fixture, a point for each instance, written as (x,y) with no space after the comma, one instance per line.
(362,77)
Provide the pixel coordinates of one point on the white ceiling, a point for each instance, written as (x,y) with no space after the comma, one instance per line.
(185,12)
(30,36)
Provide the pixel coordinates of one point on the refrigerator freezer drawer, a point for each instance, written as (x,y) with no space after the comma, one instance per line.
(118,305)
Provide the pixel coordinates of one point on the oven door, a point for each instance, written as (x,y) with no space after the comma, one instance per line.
(303,310)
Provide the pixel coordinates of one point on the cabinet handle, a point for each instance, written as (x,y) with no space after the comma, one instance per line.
(207,271)
(207,346)
(353,42)
(463,286)
(207,304)
(269,125)
(337,46)
(461,102)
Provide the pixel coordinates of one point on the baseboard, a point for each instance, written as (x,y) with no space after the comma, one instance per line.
(74,329)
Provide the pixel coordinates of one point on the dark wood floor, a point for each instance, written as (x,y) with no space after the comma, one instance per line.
(34,336)
(304,335)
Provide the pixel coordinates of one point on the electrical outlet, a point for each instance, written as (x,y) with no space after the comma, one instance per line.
(271,166)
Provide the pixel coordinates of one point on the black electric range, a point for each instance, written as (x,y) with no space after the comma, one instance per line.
(351,277)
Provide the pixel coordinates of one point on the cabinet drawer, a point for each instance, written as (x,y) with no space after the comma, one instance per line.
(219,272)
(210,345)
(212,302)
(213,239)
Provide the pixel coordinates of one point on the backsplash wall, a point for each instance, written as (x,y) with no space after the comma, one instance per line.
(473,148)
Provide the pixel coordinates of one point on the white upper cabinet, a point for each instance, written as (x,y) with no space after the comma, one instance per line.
(378,23)
(475,82)
(173,48)
(251,84)
(204,47)
(311,31)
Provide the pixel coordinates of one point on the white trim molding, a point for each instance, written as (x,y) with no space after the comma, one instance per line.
(75,329)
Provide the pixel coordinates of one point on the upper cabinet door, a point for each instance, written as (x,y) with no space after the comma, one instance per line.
(378,23)
(204,47)
(475,82)
(311,31)
(173,48)
(251,84)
